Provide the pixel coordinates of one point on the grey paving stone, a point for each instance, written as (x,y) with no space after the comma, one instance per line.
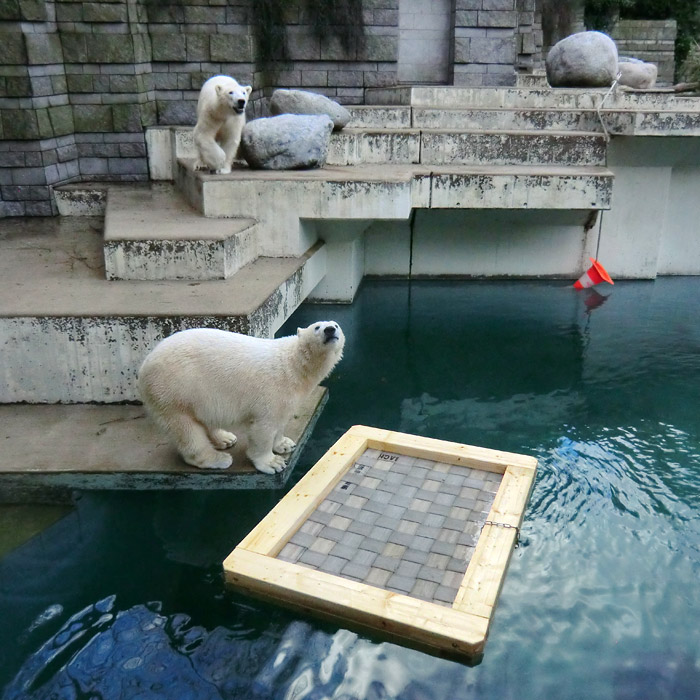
(348,512)
(403,500)
(340,550)
(453,524)
(386,563)
(364,557)
(360,528)
(427,573)
(440,510)
(457,565)
(333,565)
(400,584)
(373,545)
(380,496)
(432,520)
(387,522)
(364,492)
(393,511)
(375,507)
(408,568)
(290,552)
(445,594)
(412,480)
(424,590)
(378,577)
(401,538)
(413,555)
(452,489)
(314,559)
(333,533)
(367,516)
(444,499)
(355,571)
(466,503)
(442,548)
(302,539)
(380,533)
(351,539)
(422,544)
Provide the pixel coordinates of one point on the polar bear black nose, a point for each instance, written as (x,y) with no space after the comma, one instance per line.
(329,331)
(241,104)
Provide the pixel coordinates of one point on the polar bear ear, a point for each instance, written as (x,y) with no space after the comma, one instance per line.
(219,89)
(299,331)
(248,89)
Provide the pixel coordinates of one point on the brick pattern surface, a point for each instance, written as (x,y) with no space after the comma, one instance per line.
(399,523)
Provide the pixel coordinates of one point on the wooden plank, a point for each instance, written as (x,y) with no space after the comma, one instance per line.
(485,574)
(272,533)
(444,451)
(428,625)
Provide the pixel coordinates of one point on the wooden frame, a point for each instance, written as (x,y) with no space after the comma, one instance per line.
(460,630)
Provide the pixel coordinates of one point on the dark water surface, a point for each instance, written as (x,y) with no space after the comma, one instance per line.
(124,597)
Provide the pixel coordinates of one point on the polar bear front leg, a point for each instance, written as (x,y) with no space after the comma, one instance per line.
(230,139)
(211,155)
(260,439)
(193,443)
(283,445)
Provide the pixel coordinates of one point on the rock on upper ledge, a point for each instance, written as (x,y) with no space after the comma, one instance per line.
(585,59)
(304,102)
(637,74)
(287,141)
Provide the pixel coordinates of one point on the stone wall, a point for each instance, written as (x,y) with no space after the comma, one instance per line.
(649,40)
(80,80)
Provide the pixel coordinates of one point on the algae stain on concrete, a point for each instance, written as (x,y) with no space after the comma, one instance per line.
(19,523)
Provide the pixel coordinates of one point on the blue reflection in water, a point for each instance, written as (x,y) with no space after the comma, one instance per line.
(601,601)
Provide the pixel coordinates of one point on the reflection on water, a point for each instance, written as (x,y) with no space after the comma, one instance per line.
(601,600)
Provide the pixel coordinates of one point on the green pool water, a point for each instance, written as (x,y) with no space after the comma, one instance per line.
(123,598)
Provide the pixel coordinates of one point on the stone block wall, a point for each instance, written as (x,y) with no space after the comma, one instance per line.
(649,40)
(80,80)
(492,38)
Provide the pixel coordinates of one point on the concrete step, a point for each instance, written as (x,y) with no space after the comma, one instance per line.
(619,122)
(450,97)
(379,117)
(473,147)
(151,233)
(69,335)
(287,203)
(86,447)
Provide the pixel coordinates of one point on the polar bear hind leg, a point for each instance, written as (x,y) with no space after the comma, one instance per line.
(193,443)
(222,439)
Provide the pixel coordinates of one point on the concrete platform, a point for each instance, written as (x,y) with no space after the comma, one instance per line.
(151,233)
(117,447)
(69,335)
(282,201)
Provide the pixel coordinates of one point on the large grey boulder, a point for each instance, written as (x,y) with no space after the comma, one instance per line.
(304,102)
(585,59)
(287,142)
(637,74)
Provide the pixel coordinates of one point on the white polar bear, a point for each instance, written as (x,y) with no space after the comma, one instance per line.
(220,121)
(200,383)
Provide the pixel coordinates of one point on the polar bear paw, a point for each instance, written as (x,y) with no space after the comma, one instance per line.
(219,460)
(284,446)
(223,171)
(222,439)
(270,464)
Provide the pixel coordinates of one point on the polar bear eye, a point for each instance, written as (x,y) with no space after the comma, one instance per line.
(317,328)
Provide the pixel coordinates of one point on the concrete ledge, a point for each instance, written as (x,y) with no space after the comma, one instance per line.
(69,335)
(117,447)
(152,234)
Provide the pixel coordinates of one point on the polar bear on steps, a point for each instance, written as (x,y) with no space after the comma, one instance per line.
(200,383)
(220,121)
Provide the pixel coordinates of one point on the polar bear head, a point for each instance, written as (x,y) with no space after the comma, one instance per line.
(233,95)
(323,339)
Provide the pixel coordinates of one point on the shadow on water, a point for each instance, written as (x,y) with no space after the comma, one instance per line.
(124,598)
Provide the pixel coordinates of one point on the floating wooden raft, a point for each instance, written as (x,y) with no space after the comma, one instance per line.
(395,533)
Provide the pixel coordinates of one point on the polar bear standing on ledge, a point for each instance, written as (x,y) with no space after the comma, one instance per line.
(199,383)
(220,121)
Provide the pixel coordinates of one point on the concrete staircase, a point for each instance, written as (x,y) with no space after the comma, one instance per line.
(86,296)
